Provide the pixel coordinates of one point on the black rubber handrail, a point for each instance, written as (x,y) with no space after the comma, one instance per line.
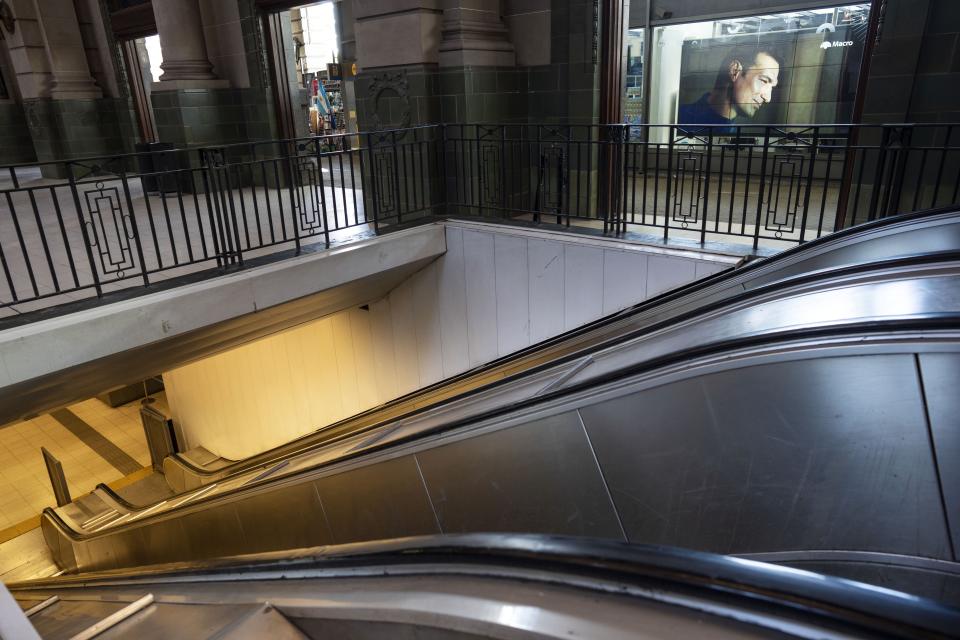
(788,592)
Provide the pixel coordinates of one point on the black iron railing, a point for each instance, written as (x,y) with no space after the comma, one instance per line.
(772,184)
(81,228)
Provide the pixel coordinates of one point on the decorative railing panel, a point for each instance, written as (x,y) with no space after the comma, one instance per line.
(86,227)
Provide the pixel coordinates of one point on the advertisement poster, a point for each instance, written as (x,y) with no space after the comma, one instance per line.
(773,70)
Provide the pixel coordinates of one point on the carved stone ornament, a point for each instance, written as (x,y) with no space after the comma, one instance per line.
(31,110)
(381,87)
(6,19)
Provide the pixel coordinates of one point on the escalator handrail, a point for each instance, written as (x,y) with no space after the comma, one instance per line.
(684,356)
(315,438)
(508,555)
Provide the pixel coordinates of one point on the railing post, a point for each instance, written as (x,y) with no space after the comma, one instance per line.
(479,156)
(943,161)
(623,142)
(846,177)
(293,184)
(814,149)
(503,171)
(216,219)
(541,184)
(228,197)
(898,172)
(443,169)
(567,181)
(323,196)
(561,185)
(878,174)
(87,245)
(706,187)
(396,176)
(763,186)
(666,196)
(133,226)
(373,183)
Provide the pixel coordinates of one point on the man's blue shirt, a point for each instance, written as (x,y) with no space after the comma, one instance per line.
(700,112)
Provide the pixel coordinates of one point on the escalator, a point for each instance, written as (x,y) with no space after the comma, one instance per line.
(914,235)
(467,587)
(799,410)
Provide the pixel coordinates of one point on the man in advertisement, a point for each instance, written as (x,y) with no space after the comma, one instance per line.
(745,84)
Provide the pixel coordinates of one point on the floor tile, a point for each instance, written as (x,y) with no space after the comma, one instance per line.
(24,485)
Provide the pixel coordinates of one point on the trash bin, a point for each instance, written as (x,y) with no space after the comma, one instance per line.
(150,160)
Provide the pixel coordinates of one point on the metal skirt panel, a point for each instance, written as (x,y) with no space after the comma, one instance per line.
(829,453)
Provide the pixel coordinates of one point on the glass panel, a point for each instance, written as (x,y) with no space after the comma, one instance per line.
(155,54)
(799,67)
(633,83)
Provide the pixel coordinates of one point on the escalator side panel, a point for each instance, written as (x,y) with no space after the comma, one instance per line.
(941,373)
(383,500)
(816,453)
(827,453)
(132,546)
(540,477)
(214,532)
(288,518)
(166,540)
(104,552)
(61,547)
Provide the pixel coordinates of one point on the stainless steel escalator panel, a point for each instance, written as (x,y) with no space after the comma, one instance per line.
(910,236)
(539,478)
(926,291)
(214,533)
(917,292)
(377,501)
(166,538)
(941,373)
(829,453)
(287,517)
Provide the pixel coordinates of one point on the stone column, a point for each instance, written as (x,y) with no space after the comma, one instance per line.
(66,113)
(348,60)
(473,35)
(68,60)
(186,64)
(50,28)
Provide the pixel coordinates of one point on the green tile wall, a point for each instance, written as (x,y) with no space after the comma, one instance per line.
(213,116)
(16,145)
(63,129)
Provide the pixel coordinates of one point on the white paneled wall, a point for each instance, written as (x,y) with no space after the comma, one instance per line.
(496,290)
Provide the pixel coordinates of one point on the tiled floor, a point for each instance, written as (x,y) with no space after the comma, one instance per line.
(24,484)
